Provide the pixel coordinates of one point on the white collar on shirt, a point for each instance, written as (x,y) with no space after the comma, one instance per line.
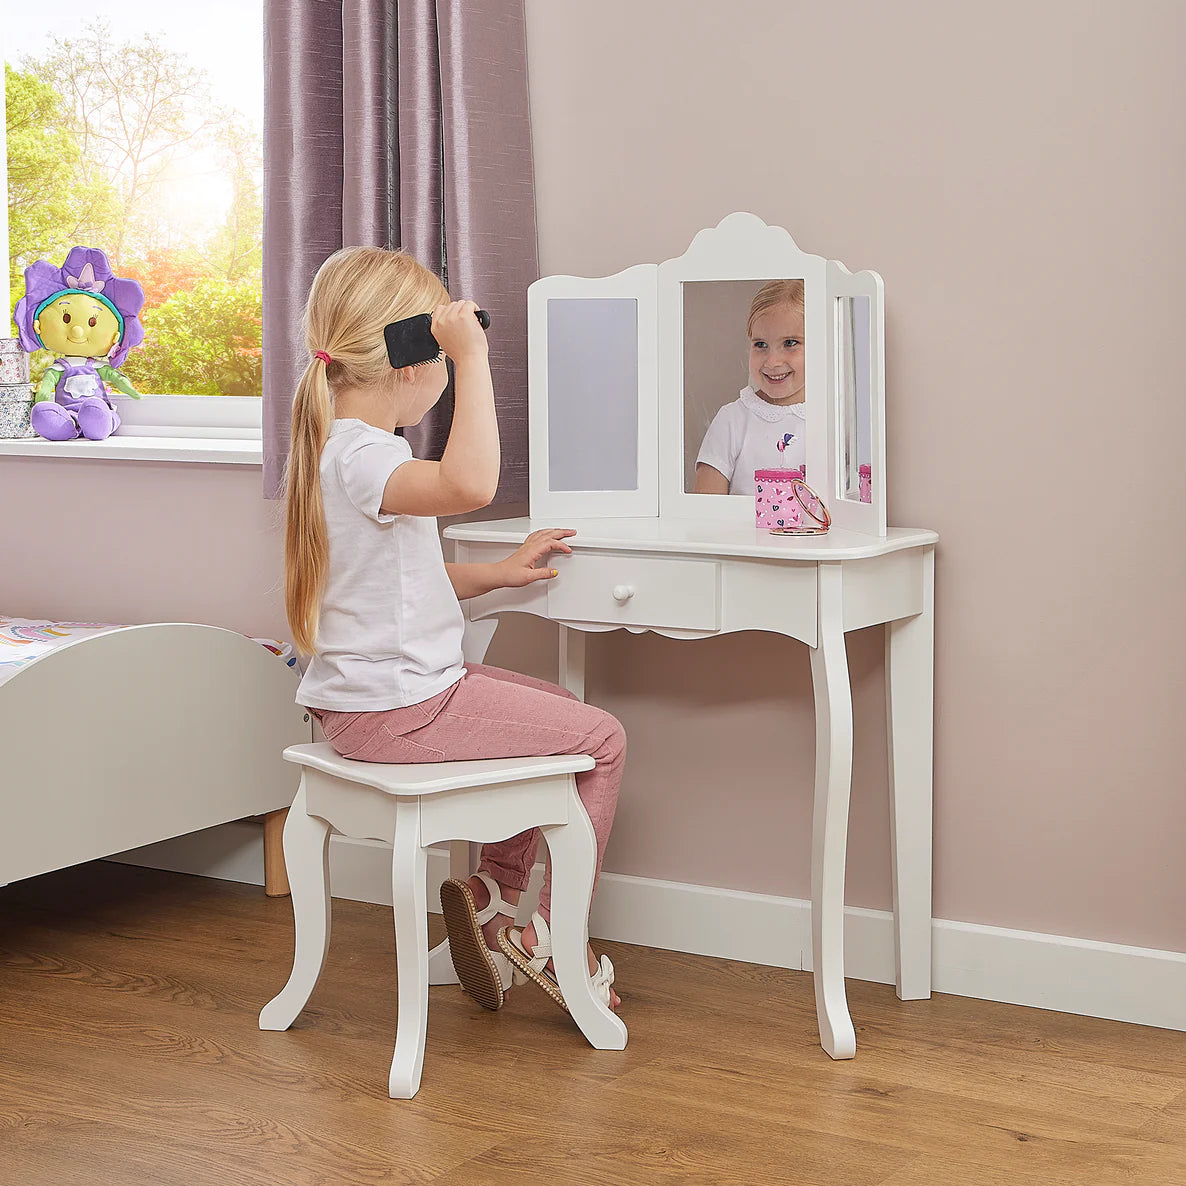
(771,413)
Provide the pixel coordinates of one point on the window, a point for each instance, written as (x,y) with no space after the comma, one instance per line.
(138,130)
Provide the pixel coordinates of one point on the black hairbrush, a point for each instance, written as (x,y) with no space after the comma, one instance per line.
(410,342)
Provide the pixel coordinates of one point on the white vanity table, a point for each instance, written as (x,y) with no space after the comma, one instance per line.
(610,458)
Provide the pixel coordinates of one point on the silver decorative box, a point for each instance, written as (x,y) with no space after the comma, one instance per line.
(16,402)
(14,363)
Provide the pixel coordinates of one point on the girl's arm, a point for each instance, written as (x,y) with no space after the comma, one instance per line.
(717,457)
(709,480)
(517,570)
(466,476)
(472,580)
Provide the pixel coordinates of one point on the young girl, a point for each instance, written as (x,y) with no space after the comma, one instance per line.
(370,597)
(744,436)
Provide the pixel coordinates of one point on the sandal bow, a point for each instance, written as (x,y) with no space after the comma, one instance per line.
(603,978)
(533,965)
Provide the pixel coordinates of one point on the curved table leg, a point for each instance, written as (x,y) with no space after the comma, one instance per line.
(910,703)
(573,849)
(572,661)
(829,841)
(475,641)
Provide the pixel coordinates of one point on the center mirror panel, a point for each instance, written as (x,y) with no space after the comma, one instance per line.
(744,377)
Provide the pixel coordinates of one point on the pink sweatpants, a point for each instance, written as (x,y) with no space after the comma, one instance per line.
(491,713)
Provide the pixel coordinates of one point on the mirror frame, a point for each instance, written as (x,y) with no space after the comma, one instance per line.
(851,514)
(639,284)
(739,247)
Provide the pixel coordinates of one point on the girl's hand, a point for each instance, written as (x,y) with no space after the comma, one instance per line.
(519,568)
(458,330)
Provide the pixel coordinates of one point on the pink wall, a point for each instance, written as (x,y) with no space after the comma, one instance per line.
(1018,176)
(1019,181)
(140,542)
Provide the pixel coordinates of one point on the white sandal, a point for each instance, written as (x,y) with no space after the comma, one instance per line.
(486,975)
(533,965)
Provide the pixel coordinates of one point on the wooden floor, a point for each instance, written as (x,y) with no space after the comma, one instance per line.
(130,1054)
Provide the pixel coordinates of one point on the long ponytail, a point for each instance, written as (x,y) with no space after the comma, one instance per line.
(356,292)
(306,545)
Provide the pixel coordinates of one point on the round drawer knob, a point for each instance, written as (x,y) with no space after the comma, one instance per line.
(623,593)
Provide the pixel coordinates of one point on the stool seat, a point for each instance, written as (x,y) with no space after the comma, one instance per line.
(428,778)
(410,807)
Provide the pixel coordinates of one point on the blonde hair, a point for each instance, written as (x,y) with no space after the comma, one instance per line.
(777,292)
(356,292)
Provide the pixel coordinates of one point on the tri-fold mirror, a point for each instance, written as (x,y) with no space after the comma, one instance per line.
(662,390)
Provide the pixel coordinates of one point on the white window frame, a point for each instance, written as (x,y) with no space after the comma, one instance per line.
(237,417)
(183,427)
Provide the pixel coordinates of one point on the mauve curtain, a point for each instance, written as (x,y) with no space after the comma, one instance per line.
(399,123)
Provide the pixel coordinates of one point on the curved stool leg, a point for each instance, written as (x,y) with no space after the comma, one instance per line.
(306,839)
(409,898)
(829,839)
(573,848)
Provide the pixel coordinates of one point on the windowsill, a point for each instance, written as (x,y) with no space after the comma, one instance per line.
(202,429)
(194,449)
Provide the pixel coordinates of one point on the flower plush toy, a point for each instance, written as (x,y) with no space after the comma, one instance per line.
(90,319)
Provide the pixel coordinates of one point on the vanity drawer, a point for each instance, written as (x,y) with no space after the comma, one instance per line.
(636,591)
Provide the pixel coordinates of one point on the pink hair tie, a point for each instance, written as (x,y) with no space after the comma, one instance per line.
(325,358)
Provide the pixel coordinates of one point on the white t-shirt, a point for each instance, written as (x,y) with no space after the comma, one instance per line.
(743,437)
(390,627)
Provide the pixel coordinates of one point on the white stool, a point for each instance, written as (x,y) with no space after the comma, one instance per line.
(412,807)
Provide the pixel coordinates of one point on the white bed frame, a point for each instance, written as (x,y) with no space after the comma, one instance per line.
(118,740)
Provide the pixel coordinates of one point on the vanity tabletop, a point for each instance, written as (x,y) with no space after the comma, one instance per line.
(700,537)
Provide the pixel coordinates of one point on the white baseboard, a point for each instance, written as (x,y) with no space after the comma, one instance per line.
(1081,976)
(358,869)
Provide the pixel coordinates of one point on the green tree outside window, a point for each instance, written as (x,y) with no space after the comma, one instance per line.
(93,129)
